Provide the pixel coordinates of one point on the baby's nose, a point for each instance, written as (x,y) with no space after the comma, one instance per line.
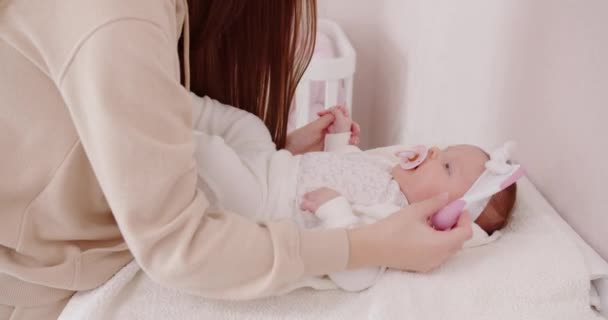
(433,153)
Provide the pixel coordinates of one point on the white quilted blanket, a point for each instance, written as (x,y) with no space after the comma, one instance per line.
(533,271)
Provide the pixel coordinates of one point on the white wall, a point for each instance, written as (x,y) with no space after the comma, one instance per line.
(359,21)
(419,59)
(483,71)
(555,100)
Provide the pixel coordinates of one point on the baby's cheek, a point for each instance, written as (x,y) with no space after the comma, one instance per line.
(458,191)
(453,196)
(431,189)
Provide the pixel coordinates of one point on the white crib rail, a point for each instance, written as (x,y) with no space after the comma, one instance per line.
(334,72)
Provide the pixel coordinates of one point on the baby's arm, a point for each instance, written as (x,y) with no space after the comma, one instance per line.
(338,142)
(330,207)
(334,211)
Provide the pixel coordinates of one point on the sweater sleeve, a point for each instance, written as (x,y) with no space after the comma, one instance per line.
(241,130)
(240,179)
(134,121)
(339,213)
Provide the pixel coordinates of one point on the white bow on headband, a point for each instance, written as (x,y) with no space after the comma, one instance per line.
(499,174)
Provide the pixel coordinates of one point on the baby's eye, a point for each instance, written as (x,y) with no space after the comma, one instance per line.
(447,167)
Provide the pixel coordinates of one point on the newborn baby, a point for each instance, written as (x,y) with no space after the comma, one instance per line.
(343,186)
(372,179)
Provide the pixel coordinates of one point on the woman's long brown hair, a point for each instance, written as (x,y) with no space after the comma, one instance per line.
(251,54)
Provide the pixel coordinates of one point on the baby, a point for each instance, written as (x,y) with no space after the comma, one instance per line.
(343,186)
(453,170)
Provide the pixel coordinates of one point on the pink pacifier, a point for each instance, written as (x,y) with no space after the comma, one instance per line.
(411,159)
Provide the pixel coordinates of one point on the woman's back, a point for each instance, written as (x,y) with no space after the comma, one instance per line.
(108,155)
(57,229)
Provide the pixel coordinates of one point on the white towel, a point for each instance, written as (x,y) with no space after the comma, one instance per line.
(533,272)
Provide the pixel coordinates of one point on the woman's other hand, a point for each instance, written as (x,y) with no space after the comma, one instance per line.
(310,137)
(406,241)
(343,122)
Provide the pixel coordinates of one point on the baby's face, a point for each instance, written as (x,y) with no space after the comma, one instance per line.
(453,170)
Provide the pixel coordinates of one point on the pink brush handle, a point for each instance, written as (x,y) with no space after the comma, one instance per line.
(447,217)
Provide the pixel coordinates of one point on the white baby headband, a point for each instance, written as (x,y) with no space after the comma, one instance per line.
(500,173)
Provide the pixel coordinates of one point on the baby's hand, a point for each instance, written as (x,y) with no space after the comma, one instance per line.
(315,199)
(342,120)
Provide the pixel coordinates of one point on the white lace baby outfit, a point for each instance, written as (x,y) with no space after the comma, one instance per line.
(360,178)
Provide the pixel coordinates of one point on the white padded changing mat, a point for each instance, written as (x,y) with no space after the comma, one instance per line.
(533,271)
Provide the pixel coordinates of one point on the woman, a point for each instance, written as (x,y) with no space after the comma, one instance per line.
(98,153)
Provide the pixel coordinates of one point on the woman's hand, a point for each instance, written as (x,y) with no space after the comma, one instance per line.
(315,199)
(406,241)
(343,123)
(342,120)
(310,137)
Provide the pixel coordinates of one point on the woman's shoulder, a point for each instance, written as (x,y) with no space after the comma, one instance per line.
(87,16)
(30,25)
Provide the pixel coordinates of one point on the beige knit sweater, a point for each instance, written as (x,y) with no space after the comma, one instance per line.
(97,163)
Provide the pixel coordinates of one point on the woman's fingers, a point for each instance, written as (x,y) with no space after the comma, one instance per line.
(462,231)
(427,208)
(455,237)
(356,129)
(354,136)
(306,205)
(406,241)
(310,137)
(344,110)
(337,108)
(323,122)
(451,241)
